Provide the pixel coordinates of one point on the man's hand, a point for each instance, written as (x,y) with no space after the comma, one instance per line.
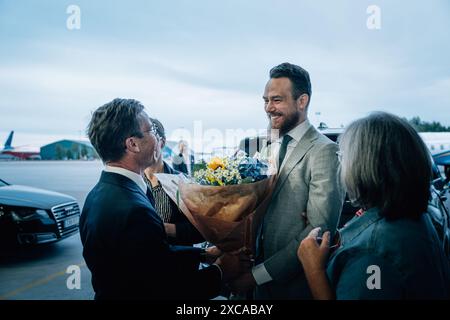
(171,230)
(243,283)
(234,264)
(211,254)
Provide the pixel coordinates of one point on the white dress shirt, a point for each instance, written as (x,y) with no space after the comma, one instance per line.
(133,176)
(260,272)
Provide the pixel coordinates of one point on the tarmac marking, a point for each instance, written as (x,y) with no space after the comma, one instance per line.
(36,283)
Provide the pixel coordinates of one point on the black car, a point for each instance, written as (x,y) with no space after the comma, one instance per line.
(31,216)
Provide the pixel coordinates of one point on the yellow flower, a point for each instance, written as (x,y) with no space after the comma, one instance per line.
(210,178)
(215,163)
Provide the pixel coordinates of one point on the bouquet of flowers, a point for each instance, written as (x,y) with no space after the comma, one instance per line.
(225,200)
(232,170)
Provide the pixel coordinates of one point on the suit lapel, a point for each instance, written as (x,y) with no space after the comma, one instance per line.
(303,146)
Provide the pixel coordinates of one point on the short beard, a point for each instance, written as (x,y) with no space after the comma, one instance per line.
(290,123)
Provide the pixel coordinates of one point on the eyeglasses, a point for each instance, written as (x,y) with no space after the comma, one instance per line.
(153,131)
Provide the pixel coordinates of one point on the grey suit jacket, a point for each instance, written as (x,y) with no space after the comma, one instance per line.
(308,182)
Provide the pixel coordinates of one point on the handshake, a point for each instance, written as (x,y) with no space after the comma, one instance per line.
(236,268)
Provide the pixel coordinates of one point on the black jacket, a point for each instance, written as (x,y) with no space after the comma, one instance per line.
(125,247)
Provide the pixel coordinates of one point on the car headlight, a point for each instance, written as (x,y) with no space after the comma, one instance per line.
(27,214)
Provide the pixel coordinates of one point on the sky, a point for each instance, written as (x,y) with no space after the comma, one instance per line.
(200,66)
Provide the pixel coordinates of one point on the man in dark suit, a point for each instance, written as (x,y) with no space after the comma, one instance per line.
(124,241)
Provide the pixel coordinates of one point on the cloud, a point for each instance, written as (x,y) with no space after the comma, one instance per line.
(65,94)
(209,61)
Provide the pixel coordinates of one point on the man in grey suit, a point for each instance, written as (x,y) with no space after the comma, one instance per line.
(308,192)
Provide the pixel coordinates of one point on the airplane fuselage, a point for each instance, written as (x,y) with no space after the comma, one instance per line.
(20,155)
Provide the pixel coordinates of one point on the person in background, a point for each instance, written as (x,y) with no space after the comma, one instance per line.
(391,251)
(178,228)
(252,145)
(184,161)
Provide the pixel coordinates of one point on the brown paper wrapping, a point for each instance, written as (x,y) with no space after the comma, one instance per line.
(227,216)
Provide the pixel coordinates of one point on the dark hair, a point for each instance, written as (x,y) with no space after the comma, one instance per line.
(299,77)
(112,124)
(386,164)
(159,128)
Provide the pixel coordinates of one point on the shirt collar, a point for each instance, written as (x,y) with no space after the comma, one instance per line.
(133,176)
(299,131)
(358,224)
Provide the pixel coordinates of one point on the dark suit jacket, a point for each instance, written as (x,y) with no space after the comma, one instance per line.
(125,247)
(187,234)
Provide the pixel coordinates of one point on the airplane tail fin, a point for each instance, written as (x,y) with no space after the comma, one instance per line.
(8,143)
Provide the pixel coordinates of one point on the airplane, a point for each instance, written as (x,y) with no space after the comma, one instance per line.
(437,142)
(18,153)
